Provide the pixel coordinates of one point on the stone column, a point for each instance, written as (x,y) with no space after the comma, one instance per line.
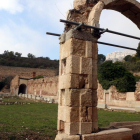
(77,111)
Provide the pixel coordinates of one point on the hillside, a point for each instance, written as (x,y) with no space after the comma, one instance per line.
(39,62)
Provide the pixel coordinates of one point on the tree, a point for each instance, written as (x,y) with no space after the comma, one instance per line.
(47,58)
(11,55)
(6,53)
(30,55)
(18,54)
(116,74)
(128,58)
(101,58)
(138,52)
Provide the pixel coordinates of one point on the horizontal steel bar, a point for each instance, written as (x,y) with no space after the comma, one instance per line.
(116,46)
(48,33)
(101,43)
(109,31)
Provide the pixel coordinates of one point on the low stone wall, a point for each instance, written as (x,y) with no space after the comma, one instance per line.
(49,99)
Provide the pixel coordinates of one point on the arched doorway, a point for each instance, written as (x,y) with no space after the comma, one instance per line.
(22,89)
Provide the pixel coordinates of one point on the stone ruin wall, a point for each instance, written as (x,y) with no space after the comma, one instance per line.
(14,85)
(44,87)
(115,95)
(137,91)
(24,72)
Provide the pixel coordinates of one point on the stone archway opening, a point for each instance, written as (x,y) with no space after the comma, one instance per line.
(22,89)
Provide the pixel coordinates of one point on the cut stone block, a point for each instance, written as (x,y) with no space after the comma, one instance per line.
(86,98)
(72,47)
(78,47)
(89,45)
(118,124)
(72,128)
(89,84)
(69,81)
(73,65)
(67,137)
(72,114)
(62,113)
(85,128)
(72,97)
(137,108)
(117,134)
(65,49)
(85,65)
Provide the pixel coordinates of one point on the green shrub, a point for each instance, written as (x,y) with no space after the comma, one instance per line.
(38,77)
(116,74)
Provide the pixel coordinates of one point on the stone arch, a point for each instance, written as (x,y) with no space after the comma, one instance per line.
(129,8)
(22,89)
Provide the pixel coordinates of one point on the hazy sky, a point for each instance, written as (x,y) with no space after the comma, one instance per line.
(24,23)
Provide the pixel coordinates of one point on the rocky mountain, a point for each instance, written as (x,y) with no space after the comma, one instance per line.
(119,55)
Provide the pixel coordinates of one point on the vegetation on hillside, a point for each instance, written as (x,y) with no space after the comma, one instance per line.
(116,74)
(15,59)
(132,63)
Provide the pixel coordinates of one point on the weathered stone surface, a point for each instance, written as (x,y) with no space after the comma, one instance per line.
(67,137)
(78,3)
(72,128)
(85,65)
(61,113)
(137,108)
(68,81)
(72,46)
(86,98)
(117,134)
(89,46)
(73,64)
(72,97)
(85,128)
(81,35)
(95,14)
(72,114)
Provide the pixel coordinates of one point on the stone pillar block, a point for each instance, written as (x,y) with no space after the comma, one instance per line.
(86,98)
(72,97)
(89,46)
(85,65)
(72,114)
(73,64)
(68,81)
(72,128)
(72,47)
(85,128)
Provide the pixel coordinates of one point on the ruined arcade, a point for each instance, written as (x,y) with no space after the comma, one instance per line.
(77,110)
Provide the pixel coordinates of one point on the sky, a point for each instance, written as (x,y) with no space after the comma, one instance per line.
(24,23)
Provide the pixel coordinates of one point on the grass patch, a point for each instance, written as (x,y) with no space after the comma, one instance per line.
(39,120)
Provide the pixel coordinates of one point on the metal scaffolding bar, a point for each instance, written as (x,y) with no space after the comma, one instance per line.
(48,33)
(108,44)
(101,29)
